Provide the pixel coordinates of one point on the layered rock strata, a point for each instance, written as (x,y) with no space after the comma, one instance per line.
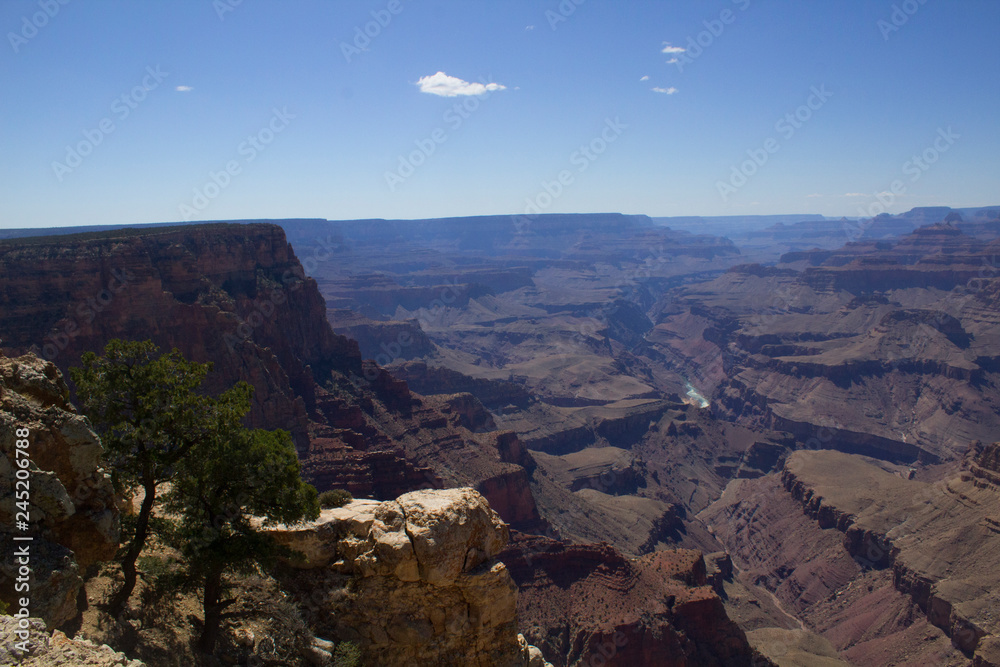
(238,297)
(889,568)
(587,604)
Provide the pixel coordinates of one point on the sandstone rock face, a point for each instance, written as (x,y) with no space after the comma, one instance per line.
(73,512)
(889,569)
(588,605)
(941,540)
(413,581)
(56,650)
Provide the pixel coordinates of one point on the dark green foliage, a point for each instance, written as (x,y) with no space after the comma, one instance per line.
(225,480)
(334,498)
(347,654)
(146,409)
(234,476)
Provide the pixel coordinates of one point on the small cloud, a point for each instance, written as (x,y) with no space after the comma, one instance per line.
(449,86)
(672,49)
(666,91)
(854,194)
(529,27)
(183,89)
(672,61)
(645,78)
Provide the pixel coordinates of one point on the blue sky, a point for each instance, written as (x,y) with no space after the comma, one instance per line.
(264,109)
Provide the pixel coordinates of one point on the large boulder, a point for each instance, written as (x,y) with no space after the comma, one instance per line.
(411,581)
(73,513)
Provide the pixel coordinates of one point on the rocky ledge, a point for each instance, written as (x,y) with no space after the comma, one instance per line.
(411,581)
(26,643)
(941,540)
(73,514)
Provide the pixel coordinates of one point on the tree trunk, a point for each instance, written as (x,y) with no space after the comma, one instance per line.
(213,611)
(117,604)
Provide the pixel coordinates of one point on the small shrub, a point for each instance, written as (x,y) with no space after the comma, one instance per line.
(347,654)
(334,498)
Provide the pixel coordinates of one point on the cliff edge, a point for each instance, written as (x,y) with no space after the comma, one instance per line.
(412,581)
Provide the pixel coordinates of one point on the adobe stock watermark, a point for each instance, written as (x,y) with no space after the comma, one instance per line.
(786,126)
(448,294)
(682,56)
(363,35)
(915,168)
(86,311)
(453,118)
(249,149)
(223,7)
(48,9)
(121,108)
(581,158)
(436,309)
(899,17)
(563,11)
(292,280)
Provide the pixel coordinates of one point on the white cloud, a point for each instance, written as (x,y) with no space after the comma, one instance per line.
(854,194)
(672,49)
(184,89)
(672,61)
(449,86)
(529,27)
(645,78)
(667,91)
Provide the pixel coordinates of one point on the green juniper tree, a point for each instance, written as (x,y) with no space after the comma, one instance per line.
(146,408)
(235,480)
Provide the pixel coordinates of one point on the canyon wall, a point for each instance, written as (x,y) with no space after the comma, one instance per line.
(238,297)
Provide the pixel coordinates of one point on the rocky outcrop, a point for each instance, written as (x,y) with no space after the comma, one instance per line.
(383,341)
(495,394)
(510,492)
(940,541)
(65,500)
(26,643)
(469,412)
(587,604)
(985,467)
(411,581)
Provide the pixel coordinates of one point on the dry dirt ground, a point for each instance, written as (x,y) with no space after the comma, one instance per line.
(161,628)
